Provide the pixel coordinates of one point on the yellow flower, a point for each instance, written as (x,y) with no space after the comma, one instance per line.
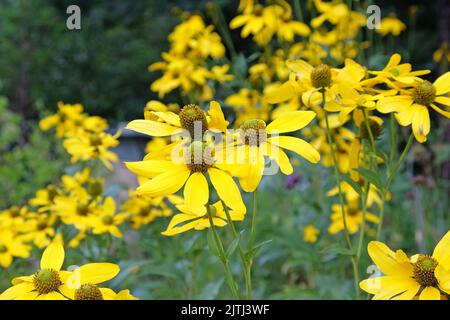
(40,229)
(405,278)
(45,198)
(46,283)
(10,247)
(390,25)
(82,282)
(106,220)
(310,233)
(259,140)
(353,215)
(65,120)
(86,146)
(190,218)
(248,104)
(442,53)
(411,106)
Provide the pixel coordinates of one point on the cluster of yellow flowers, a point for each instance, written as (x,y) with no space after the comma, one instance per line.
(52,283)
(85,136)
(187,65)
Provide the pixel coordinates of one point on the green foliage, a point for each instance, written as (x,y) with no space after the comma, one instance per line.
(29,159)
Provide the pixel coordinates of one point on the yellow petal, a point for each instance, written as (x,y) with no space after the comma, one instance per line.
(442,112)
(152,128)
(283,93)
(297,145)
(53,256)
(95,273)
(250,182)
(442,84)
(443,100)
(291,121)
(280,157)
(442,251)
(196,192)
(16,291)
(151,168)
(217,120)
(385,259)
(394,104)
(420,122)
(443,276)
(300,66)
(176,230)
(165,184)
(430,293)
(226,188)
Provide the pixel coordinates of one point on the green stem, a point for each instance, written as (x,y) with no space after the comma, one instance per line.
(223,257)
(255,210)
(245,263)
(392,139)
(341,199)
(389,181)
(298,10)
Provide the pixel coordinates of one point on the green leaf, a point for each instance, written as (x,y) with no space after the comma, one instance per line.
(371,177)
(252,252)
(351,182)
(234,244)
(339,250)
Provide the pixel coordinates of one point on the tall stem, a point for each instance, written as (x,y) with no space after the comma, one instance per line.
(341,199)
(245,263)
(253,227)
(223,257)
(390,179)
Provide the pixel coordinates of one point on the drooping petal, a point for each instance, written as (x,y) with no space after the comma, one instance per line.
(94,273)
(440,111)
(283,93)
(152,128)
(430,293)
(196,192)
(226,188)
(281,158)
(394,104)
(420,122)
(16,291)
(217,120)
(165,184)
(250,182)
(291,121)
(297,145)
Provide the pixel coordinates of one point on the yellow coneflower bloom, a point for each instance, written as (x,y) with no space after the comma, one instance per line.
(310,233)
(10,247)
(353,215)
(390,25)
(106,221)
(82,283)
(411,106)
(190,218)
(46,283)
(406,278)
(86,146)
(248,104)
(259,140)
(65,120)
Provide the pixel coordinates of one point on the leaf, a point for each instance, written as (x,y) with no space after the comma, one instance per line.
(371,177)
(234,244)
(211,290)
(339,250)
(252,252)
(352,182)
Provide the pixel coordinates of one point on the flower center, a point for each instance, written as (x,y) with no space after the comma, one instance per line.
(200,157)
(41,225)
(46,280)
(254,132)
(193,119)
(108,220)
(423,270)
(88,292)
(14,212)
(51,193)
(82,210)
(321,76)
(95,140)
(3,248)
(95,188)
(424,93)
